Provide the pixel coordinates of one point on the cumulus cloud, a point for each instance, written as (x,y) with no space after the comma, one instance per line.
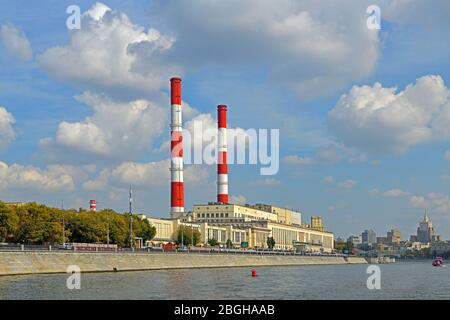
(347,184)
(6,131)
(328,179)
(269,182)
(435,202)
(447,155)
(31,178)
(394,193)
(141,175)
(308,47)
(15,42)
(330,154)
(112,53)
(115,130)
(381,120)
(417,12)
(239,199)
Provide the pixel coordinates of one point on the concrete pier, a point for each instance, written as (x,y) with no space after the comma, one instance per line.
(20,263)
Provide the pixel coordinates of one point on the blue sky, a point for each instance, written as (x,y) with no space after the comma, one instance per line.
(85,112)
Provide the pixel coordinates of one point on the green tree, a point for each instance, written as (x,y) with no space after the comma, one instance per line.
(271,243)
(188,235)
(143,229)
(229,244)
(213,242)
(9,223)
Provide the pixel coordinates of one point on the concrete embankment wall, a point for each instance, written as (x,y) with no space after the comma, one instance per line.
(16,263)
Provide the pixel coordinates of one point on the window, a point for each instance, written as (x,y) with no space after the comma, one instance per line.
(221,215)
(203,215)
(207,215)
(226,215)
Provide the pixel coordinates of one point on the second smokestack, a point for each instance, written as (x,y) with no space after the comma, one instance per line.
(222,161)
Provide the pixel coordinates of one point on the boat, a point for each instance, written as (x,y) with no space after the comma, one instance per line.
(438,262)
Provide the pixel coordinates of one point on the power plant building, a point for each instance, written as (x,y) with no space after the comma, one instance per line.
(246,226)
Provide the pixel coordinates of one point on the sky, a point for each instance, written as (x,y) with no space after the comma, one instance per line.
(362,113)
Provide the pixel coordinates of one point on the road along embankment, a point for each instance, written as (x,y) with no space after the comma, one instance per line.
(20,263)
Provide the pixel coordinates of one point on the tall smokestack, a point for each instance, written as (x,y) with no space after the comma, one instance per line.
(222,162)
(93,205)
(176,169)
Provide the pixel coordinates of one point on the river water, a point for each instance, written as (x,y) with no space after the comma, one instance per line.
(402,280)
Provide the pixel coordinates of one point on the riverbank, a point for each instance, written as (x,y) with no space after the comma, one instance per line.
(22,263)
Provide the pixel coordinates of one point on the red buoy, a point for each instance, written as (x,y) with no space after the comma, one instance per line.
(253,273)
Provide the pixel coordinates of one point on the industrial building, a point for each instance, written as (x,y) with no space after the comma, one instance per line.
(246,226)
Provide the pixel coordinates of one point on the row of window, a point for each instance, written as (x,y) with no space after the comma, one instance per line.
(214,215)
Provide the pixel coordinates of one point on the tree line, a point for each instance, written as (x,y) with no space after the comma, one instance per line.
(34,223)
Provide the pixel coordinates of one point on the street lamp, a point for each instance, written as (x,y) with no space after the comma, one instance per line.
(131,221)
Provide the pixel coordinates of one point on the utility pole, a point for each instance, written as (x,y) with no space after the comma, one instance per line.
(182,235)
(63,223)
(131,220)
(107,231)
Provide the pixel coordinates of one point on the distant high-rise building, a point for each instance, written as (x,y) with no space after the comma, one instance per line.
(356,240)
(394,237)
(369,237)
(425,231)
(317,223)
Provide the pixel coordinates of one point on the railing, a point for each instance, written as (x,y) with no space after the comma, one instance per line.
(154,250)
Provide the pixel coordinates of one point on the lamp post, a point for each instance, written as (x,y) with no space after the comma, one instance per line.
(63,224)
(131,221)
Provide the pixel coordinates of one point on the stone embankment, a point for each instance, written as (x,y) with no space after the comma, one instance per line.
(19,263)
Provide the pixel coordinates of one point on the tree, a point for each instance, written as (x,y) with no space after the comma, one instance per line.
(213,242)
(229,244)
(271,243)
(186,234)
(9,223)
(143,229)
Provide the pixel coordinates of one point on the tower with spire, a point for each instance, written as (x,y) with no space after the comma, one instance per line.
(425,231)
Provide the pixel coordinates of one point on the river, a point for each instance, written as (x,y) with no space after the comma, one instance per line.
(402,280)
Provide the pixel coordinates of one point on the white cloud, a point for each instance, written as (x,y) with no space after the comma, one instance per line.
(417,12)
(115,130)
(154,174)
(394,193)
(16,42)
(447,155)
(435,202)
(239,199)
(330,154)
(6,131)
(269,182)
(297,160)
(31,178)
(112,53)
(310,48)
(382,120)
(142,174)
(328,179)
(347,184)
(100,183)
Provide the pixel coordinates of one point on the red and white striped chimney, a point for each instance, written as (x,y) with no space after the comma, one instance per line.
(222,162)
(93,205)
(176,169)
